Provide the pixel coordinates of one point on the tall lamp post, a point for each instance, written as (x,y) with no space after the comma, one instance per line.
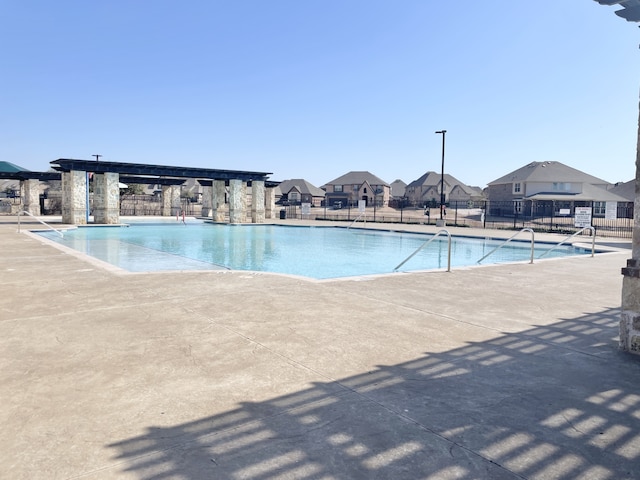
(443,132)
(630,316)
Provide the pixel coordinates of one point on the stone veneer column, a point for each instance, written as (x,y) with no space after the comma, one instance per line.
(31,196)
(207,197)
(170,200)
(106,198)
(218,192)
(237,193)
(74,197)
(630,318)
(257,201)
(270,203)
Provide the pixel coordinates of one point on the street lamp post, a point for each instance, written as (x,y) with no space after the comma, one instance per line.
(443,132)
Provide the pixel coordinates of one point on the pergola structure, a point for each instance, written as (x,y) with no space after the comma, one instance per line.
(630,319)
(107,176)
(29,186)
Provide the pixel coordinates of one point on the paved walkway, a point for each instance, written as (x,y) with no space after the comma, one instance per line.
(497,372)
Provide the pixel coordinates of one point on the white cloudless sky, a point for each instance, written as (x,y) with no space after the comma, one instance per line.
(316,88)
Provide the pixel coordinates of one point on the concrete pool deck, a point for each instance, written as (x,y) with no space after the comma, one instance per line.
(498,372)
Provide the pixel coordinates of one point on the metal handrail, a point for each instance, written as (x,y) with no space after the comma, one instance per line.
(511,238)
(427,243)
(358,218)
(593,241)
(44,223)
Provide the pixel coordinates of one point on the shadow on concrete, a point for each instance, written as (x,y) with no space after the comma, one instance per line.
(553,402)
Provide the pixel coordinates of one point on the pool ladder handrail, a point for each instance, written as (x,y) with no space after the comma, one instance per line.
(511,238)
(593,241)
(427,243)
(358,218)
(41,221)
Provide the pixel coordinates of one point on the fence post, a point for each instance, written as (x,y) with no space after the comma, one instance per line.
(484,223)
(455,218)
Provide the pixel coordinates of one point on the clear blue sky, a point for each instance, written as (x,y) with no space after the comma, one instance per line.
(316,88)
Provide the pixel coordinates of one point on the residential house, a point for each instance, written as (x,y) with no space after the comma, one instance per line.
(354,186)
(624,189)
(426,190)
(398,188)
(297,191)
(547,189)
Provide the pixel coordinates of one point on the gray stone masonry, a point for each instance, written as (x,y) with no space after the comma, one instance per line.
(218,200)
(106,198)
(257,201)
(31,196)
(74,197)
(236,201)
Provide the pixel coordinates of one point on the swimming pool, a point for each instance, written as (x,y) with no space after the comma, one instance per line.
(315,252)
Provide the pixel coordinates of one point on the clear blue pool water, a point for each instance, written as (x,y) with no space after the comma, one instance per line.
(316,252)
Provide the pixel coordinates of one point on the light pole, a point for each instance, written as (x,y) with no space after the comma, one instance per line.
(443,132)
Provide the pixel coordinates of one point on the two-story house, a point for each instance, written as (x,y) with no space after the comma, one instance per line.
(351,187)
(297,191)
(548,188)
(426,190)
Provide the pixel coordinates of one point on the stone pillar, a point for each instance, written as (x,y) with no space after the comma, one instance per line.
(237,192)
(74,197)
(218,192)
(170,200)
(630,318)
(30,194)
(106,198)
(207,197)
(257,201)
(166,200)
(270,203)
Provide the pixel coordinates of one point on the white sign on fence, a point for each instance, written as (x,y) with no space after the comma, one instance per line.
(306,209)
(582,217)
(611,211)
(362,206)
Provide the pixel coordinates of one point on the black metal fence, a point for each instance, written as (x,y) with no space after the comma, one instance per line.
(542,217)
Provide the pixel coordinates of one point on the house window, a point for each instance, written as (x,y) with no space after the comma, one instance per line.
(337,188)
(599,208)
(364,190)
(517,187)
(561,187)
(517,207)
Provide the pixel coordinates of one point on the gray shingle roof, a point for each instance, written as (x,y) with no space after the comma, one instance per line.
(433,179)
(590,193)
(626,190)
(548,172)
(302,186)
(398,187)
(357,178)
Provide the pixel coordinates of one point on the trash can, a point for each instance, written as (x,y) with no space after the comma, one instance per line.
(283,214)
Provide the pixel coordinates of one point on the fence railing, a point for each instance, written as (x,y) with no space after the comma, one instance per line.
(490,215)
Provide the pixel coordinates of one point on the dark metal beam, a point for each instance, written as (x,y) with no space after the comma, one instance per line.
(26,175)
(68,164)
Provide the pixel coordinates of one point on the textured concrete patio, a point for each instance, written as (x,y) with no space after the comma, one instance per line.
(497,372)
